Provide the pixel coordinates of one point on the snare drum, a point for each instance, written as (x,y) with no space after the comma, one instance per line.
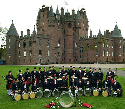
(47,93)
(105,93)
(87,92)
(95,92)
(25,96)
(80,92)
(55,93)
(66,99)
(32,95)
(39,94)
(84,79)
(16,97)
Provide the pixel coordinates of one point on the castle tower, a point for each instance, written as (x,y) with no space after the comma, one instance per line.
(11,38)
(118,44)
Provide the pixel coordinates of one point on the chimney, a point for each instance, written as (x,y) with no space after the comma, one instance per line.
(73,12)
(62,12)
(21,33)
(90,33)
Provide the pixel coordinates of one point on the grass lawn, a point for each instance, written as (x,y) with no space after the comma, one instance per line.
(121,68)
(98,102)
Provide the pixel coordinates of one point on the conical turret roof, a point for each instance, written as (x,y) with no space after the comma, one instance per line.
(116,32)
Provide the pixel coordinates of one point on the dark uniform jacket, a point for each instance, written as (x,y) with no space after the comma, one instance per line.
(15,86)
(80,74)
(73,83)
(116,86)
(106,83)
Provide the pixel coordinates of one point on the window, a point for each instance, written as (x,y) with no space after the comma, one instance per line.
(96,52)
(9,40)
(78,23)
(95,44)
(9,46)
(104,53)
(120,46)
(75,44)
(107,53)
(30,43)
(19,44)
(103,44)
(30,52)
(107,45)
(88,45)
(40,43)
(119,41)
(80,56)
(24,53)
(48,53)
(58,53)
(47,44)
(112,45)
(80,51)
(112,53)
(24,44)
(9,55)
(40,52)
(58,42)
(83,23)
(83,31)
(19,53)
(119,54)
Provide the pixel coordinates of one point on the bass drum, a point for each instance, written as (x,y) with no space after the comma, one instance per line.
(56,93)
(16,97)
(105,93)
(47,93)
(87,92)
(80,92)
(39,94)
(25,96)
(95,92)
(32,95)
(66,99)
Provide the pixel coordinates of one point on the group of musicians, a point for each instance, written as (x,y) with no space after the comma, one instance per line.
(52,79)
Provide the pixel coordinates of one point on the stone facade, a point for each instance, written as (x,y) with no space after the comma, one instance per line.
(63,38)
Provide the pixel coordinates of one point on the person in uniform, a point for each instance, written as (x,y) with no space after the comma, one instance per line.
(34,87)
(44,74)
(59,74)
(9,79)
(40,78)
(49,73)
(73,85)
(20,77)
(107,85)
(63,84)
(54,72)
(95,76)
(100,75)
(80,73)
(80,84)
(117,88)
(110,75)
(25,87)
(27,77)
(15,86)
(55,84)
(64,72)
(70,72)
(74,72)
(34,75)
(89,74)
(47,85)
(84,72)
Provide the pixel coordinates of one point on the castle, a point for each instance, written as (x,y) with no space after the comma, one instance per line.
(63,38)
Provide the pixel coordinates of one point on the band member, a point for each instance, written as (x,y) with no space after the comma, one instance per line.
(98,85)
(55,83)
(73,83)
(84,72)
(9,79)
(47,85)
(49,73)
(100,75)
(44,74)
(110,75)
(89,74)
(88,85)
(74,72)
(95,76)
(20,78)
(107,85)
(27,77)
(25,87)
(80,84)
(15,87)
(53,72)
(70,72)
(59,74)
(79,73)
(64,84)
(34,87)
(117,88)
(64,72)
(34,74)
(40,78)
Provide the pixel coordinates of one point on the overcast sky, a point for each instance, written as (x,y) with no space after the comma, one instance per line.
(102,14)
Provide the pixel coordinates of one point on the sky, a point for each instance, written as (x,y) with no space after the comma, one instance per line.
(102,14)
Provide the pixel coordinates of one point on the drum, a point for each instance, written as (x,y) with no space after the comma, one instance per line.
(66,99)
(39,94)
(47,93)
(56,93)
(25,96)
(105,93)
(59,79)
(87,92)
(84,79)
(95,92)
(80,92)
(16,97)
(32,95)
